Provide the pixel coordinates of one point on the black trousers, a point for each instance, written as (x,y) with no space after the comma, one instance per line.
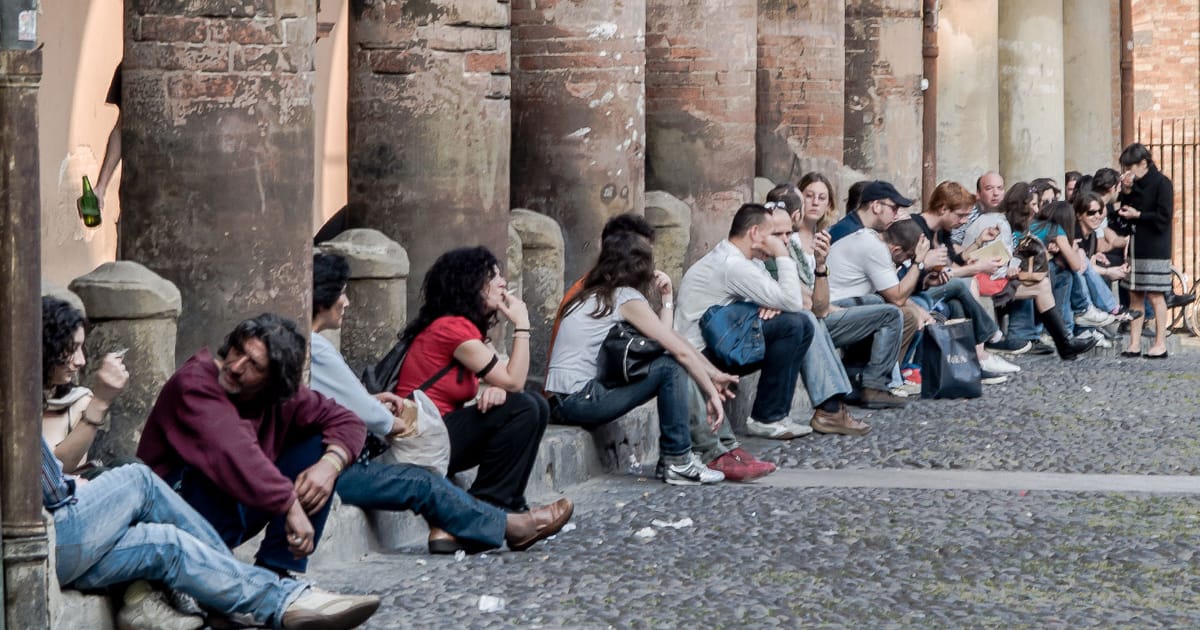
(503,442)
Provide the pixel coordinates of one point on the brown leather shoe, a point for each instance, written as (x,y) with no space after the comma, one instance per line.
(547,520)
(443,542)
(879,399)
(838,422)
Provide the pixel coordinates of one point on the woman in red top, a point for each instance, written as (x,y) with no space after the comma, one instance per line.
(463,294)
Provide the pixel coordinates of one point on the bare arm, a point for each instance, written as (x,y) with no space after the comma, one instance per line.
(509,375)
(112,156)
(820,291)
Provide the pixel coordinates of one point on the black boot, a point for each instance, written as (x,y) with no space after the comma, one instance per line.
(1068,346)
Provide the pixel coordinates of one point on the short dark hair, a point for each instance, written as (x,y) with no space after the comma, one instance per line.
(748,216)
(286,351)
(904,234)
(1135,153)
(628,222)
(1071,176)
(60,320)
(1105,179)
(331,272)
(854,194)
(788,196)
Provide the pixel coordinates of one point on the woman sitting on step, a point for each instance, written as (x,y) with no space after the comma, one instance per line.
(615,291)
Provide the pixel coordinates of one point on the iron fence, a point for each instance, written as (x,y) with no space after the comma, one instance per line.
(1175,145)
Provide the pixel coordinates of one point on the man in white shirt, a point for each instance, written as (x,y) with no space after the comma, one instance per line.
(989,192)
(728,274)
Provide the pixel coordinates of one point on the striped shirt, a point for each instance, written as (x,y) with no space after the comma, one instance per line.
(57,489)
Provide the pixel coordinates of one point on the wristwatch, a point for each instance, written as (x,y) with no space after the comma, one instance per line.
(921,266)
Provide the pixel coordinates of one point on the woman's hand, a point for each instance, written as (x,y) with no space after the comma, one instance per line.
(490,397)
(1100,260)
(514,310)
(821,242)
(988,265)
(111,378)
(662,284)
(988,235)
(1129,213)
(1053,248)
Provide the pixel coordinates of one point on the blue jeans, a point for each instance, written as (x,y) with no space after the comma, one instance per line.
(1060,281)
(1021,324)
(376,485)
(958,290)
(1099,290)
(236,523)
(788,337)
(883,324)
(822,370)
(127,524)
(667,381)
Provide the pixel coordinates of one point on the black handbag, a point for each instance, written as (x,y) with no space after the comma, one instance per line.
(1033,258)
(949,365)
(625,355)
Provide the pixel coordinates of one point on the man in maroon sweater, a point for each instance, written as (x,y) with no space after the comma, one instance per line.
(249,446)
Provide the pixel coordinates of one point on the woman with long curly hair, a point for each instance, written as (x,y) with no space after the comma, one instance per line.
(614,290)
(463,295)
(72,415)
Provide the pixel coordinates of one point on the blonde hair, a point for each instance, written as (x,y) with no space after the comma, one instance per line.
(831,215)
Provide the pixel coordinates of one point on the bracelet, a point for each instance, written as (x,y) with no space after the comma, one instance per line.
(821,274)
(520,330)
(670,305)
(334,460)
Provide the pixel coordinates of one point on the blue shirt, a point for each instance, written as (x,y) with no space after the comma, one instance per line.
(57,489)
(333,378)
(849,224)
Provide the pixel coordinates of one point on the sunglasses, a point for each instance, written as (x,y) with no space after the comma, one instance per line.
(1092,213)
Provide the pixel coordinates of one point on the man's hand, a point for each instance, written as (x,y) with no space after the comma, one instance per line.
(773,246)
(765,313)
(988,235)
(988,265)
(490,397)
(937,258)
(662,284)
(921,250)
(393,402)
(111,378)
(923,318)
(936,278)
(716,413)
(725,384)
(1100,260)
(315,485)
(299,530)
(821,243)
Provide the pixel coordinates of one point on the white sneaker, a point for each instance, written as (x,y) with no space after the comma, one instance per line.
(316,609)
(1094,317)
(782,430)
(150,611)
(997,365)
(1102,341)
(693,472)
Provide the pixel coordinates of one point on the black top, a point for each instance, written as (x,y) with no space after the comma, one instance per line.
(1153,196)
(114,88)
(941,238)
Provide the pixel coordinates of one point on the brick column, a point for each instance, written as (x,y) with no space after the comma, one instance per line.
(217,140)
(428,143)
(801,85)
(1031,90)
(969,111)
(578,116)
(700,94)
(883,91)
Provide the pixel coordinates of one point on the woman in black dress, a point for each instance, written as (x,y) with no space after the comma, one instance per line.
(1147,202)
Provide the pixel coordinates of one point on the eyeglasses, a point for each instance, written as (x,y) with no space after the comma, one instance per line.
(889,204)
(1092,213)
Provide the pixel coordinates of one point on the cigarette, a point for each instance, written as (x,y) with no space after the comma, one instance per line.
(120,353)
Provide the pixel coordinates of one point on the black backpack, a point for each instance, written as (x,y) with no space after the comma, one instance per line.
(383,376)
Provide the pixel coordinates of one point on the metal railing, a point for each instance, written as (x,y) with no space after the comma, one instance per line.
(1175,145)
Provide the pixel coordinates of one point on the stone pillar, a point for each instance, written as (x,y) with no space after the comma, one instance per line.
(378,294)
(429,125)
(801,84)
(968,120)
(1031,90)
(541,281)
(672,221)
(1088,85)
(578,116)
(700,94)
(22,529)
(218,153)
(883,91)
(129,307)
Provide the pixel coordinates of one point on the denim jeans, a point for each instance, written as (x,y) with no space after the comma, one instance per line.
(667,381)
(127,524)
(788,337)
(1021,324)
(822,370)
(1099,290)
(237,523)
(958,290)
(883,324)
(706,443)
(1060,282)
(376,485)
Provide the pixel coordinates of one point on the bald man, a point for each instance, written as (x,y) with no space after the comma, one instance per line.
(989,192)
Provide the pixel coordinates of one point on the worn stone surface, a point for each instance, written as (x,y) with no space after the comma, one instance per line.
(378,294)
(578,100)
(801,84)
(763,185)
(700,95)
(1088,86)
(883,91)
(968,116)
(1032,124)
(217,141)
(672,221)
(514,274)
(541,280)
(126,290)
(49,289)
(429,125)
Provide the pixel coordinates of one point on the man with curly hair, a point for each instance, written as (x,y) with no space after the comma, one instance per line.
(249,446)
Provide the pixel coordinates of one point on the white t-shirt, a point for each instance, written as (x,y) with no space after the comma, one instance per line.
(573,361)
(860,264)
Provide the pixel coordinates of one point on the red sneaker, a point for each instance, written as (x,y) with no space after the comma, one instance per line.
(737,469)
(745,456)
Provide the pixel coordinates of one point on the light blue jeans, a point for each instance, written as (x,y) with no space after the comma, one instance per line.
(882,323)
(822,370)
(127,524)
(1090,288)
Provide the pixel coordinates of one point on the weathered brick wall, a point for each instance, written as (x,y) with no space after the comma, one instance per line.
(429,125)
(217,140)
(1166,59)
(883,91)
(700,93)
(801,74)
(579,129)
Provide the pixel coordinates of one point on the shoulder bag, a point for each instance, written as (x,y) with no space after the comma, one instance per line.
(625,355)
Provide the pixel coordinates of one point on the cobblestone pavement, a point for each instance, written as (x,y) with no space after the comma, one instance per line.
(762,556)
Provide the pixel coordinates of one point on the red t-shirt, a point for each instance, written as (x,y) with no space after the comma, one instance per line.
(432,350)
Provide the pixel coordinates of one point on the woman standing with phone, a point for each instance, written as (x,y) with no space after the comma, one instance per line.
(1147,201)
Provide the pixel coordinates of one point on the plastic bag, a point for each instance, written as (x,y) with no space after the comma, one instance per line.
(430,447)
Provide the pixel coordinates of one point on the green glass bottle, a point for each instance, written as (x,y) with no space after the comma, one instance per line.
(88,205)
